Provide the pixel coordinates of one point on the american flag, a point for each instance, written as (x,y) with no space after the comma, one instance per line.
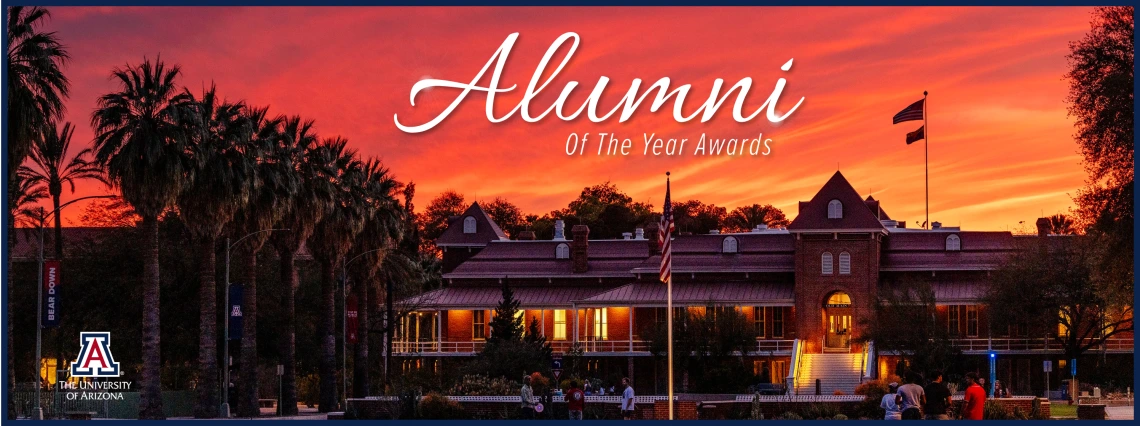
(666,233)
(910,113)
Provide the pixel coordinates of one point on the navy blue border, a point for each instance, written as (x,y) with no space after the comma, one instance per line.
(4,124)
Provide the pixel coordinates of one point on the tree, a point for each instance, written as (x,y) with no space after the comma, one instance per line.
(745,218)
(139,144)
(1101,67)
(275,184)
(220,176)
(707,348)
(507,324)
(509,352)
(51,169)
(1078,305)
(113,213)
(606,210)
(37,88)
(1061,224)
(434,220)
(298,144)
(922,343)
(507,215)
(698,218)
(329,244)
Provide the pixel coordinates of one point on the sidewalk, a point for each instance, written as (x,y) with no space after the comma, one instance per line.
(1120,413)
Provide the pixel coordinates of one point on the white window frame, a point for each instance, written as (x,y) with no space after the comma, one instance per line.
(953,242)
(559,324)
(729,245)
(835,209)
(844,263)
(601,324)
(828,263)
(469,225)
(562,251)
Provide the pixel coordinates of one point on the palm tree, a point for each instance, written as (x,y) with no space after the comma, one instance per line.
(383,227)
(744,218)
(1062,224)
(314,191)
(220,178)
(26,195)
(329,243)
(276,185)
(139,143)
(52,170)
(36,91)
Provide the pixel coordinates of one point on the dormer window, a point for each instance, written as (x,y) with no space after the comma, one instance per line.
(469,225)
(828,264)
(835,210)
(953,243)
(845,263)
(562,251)
(729,245)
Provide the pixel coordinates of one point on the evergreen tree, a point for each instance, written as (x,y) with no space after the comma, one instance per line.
(507,325)
(537,341)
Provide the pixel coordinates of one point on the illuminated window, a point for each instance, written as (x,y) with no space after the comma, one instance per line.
(1062,328)
(778,323)
(972,320)
(479,324)
(601,329)
(560,324)
(828,265)
(468,225)
(954,319)
(835,210)
(953,243)
(562,251)
(760,312)
(845,263)
(729,245)
(839,299)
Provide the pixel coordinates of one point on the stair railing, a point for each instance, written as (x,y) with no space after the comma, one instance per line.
(793,374)
(866,368)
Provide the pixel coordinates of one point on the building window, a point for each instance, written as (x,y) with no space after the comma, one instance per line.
(562,251)
(835,210)
(778,323)
(1062,324)
(971,320)
(954,320)
(601,324)
(479,324)
(953,243)
(828,265)
(559,324)
(468,225)
(729,245)
(760,314)
(845,263)
(838,299)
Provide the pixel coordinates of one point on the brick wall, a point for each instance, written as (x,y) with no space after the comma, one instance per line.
(812,287)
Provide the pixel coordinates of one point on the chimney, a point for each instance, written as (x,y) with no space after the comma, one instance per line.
(714,231)
(653,235)
(559,230)
(935,225)
(639,234)
(627,235)
(526,236)
(1044,228)
(579,248)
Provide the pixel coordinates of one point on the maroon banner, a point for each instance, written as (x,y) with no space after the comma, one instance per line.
(51,294)
(350,323)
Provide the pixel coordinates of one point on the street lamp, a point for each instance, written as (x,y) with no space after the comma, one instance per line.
(344,324)
(225,410)
(38,412)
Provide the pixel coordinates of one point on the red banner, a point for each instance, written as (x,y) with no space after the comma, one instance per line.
(350,322)
(51,294)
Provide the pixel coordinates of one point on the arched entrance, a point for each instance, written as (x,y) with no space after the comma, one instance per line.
(838,324)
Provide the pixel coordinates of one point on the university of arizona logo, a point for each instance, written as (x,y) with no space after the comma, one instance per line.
(95,358)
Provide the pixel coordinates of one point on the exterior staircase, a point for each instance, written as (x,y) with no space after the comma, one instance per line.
(835,371)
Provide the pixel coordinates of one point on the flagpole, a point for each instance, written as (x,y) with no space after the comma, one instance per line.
(926,145)
(669,337)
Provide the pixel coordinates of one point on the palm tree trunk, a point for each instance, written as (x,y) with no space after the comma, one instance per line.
(247,399)
(10,222)
(150,395)
(328,337)
(207,404)
(360,365)
(58,229)
(389,330)
(289,343)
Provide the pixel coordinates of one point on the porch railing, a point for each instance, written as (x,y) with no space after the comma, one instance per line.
(565,346)
(1012,344)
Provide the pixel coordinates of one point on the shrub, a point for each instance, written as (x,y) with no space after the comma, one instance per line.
(789,416)
(309,390)
(434,406)
(994,411)
(840,417)
(818,411)
(838,392)
(480,385)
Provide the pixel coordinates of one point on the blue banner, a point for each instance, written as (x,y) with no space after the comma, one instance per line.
(51,294)
(235,311)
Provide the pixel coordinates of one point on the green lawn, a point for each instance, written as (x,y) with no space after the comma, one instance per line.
(1062,409)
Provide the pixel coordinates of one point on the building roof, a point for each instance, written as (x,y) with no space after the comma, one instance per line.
(697,294)
(486,230)
(857,215)
(26,248)
(487,297)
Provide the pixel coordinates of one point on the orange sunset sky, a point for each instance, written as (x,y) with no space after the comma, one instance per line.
(1001,146)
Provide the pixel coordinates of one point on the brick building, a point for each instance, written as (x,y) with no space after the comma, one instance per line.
(805,290)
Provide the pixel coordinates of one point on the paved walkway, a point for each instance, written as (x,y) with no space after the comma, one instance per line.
(1120,413)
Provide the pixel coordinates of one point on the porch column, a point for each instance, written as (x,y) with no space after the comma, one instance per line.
(631,335)
(542,324)
(439,331)
(575,306)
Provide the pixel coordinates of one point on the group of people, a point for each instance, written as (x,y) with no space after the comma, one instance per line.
(576,399)
(912,401)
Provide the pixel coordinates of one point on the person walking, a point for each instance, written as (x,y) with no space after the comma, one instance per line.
(910,397)
(527,399)
(575,400)
(937,398)
(889,406)
(975,398)
(627,399)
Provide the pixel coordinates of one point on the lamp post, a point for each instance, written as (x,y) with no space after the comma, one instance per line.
(38,412)
(344,324)
(225,409)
